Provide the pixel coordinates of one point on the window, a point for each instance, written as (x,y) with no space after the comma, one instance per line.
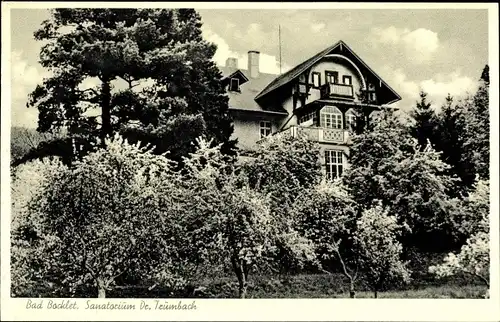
(301,88)
(371,96)
(331,117)
(316,79)
(309,116)
(265,129)
(234,86)
(334,164)
(347,80)
(350,118)
(331,77)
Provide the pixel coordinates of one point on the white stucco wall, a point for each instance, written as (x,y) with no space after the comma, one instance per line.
(343,67)
(247,127)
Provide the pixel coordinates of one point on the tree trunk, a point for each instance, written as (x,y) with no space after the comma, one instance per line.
(240,274)
(106,110)
(101,289)
(352,292)
(375,293)
(243,290)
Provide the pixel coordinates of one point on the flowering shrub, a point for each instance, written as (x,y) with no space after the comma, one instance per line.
(110,215)
(282,168)
(227,221)
(473,258)
(29,240)
(387,164)
(377,250)
(325,215)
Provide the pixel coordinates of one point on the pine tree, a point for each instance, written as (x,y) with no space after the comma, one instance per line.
(449,141)
(424,116)
(477,141)
(462,134)
(485,75)
(153,72)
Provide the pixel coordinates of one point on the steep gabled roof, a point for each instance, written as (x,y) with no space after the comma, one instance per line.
(299,69)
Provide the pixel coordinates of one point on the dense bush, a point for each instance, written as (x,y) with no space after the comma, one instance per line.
(474,257)
(109,215)
(387,164)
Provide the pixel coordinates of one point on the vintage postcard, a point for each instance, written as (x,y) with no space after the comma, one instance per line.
(193,161)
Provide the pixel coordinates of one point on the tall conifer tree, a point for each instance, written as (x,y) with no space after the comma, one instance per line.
(150,73)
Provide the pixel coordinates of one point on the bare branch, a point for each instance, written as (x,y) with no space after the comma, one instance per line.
(129,81)
(89,89)
(325,271)
(344,268)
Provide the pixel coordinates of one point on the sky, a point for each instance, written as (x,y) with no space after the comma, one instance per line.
(439,51)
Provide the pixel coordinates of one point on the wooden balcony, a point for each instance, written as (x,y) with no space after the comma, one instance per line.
(319,134)
(337,91)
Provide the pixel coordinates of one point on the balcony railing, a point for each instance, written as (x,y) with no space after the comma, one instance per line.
(337,90)
(319,134)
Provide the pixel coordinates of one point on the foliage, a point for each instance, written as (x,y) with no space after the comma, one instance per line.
(282,168)
(29,241)
(110,215)
(229,224)
(473,257)
(145,68)
(462,134)
(425,118)
(386,164)
(325,215)
(378,253)
(449,140)
(22,140)
(473,211)
(477,130)
(350,243)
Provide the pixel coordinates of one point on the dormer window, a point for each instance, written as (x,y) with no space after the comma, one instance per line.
(234,85)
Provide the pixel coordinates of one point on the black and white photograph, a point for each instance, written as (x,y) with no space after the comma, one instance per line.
(156,156)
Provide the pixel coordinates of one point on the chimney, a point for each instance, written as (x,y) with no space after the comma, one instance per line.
(253,63)
(232,62)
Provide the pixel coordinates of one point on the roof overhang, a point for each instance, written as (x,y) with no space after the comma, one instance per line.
(258,111)
(294,73)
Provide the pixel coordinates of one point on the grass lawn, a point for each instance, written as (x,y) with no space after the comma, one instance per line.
(319,286)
